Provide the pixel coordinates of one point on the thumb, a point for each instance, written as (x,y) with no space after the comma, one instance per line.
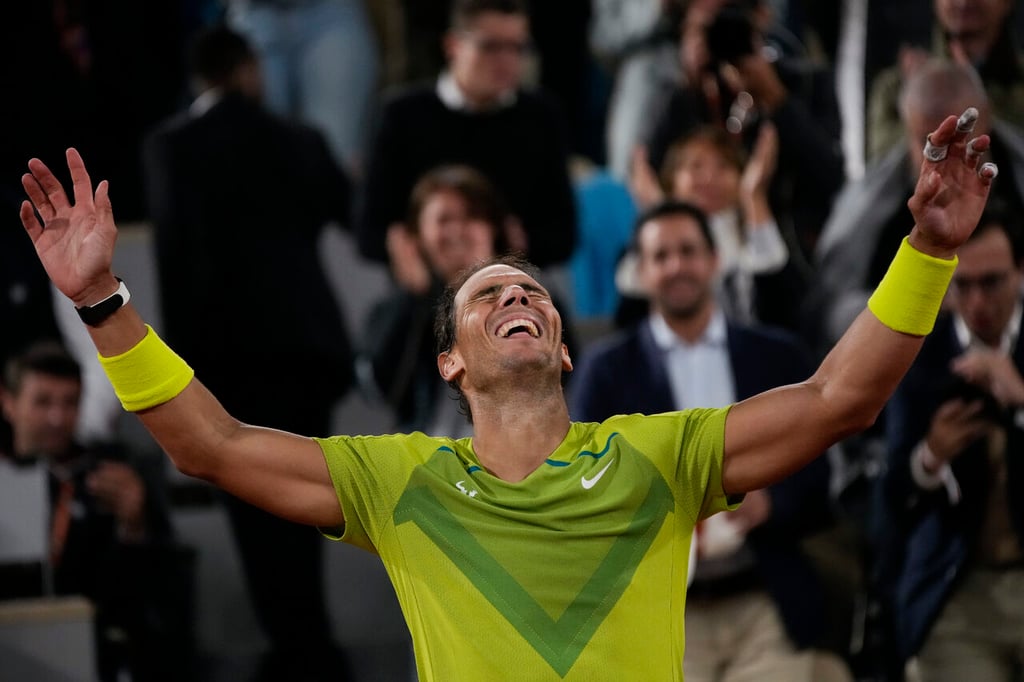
(103,205)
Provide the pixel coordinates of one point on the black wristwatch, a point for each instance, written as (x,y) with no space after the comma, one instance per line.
(92,315)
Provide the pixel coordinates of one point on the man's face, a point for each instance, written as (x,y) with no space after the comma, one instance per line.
(677,266)
(505,323)
(986,285)
(43,414)
(451,239)
(972,17)
(705,178)
(487,57)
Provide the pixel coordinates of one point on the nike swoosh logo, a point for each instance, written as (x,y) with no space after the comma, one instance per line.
(589,483)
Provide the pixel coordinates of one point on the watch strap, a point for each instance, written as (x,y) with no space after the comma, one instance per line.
(94,314)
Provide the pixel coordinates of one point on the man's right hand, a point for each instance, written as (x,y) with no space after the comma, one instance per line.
(955,425)
(75,243)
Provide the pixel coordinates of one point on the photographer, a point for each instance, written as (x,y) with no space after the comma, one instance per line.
(110,532)
(956,440)
(742,69)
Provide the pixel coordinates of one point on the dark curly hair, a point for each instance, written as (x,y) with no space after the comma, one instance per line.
(444,319)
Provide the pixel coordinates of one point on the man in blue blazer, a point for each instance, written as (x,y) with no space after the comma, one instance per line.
(687,354)
(952,529)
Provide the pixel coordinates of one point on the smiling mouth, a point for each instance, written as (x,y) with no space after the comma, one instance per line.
(518,326)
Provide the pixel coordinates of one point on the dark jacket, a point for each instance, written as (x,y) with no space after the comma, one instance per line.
(810,168)
(928,541)
(239,198)
(521,149)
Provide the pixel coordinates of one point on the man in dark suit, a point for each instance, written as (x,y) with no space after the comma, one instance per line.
(237,252)
(954,525)
(476,114)
(686,354)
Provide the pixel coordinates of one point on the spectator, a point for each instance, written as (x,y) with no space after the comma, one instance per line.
(707,167)
(320,65)
(26,306)
(977,33)
(455,221)
(755,600)
(736,80)
(235,249)
(954,518)
(110,530)
(478,115)
(638,43)
(871,217)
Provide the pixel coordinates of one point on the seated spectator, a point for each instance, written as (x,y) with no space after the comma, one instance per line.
(26,304)
(476,114)
(455,220)
(978,34)
(736,80)
(708,168)
(954,516)
(871,216)
(869,221)
(110,532)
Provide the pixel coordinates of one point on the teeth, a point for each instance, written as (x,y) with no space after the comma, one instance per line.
(512,324)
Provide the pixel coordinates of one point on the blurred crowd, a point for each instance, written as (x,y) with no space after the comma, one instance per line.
(712,189)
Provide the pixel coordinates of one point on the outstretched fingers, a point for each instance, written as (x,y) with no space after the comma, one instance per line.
(45,190)
(36,193)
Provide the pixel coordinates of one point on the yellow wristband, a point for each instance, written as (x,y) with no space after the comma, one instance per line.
(909,296)
(147,374)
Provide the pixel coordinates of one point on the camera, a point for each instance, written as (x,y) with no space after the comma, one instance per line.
(961,389)
(730,35)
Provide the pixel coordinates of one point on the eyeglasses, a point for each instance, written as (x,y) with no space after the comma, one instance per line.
(986,284)
(495,46)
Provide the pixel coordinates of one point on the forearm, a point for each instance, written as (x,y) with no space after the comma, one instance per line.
(775,434)
(772,435)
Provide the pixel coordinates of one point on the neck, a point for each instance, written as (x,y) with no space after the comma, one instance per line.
(475,101)
(515,428)
(690,327)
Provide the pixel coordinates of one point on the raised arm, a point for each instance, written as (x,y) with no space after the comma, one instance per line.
(774,434)
(280,472)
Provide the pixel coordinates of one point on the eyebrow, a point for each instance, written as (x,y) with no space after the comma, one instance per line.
(496,288)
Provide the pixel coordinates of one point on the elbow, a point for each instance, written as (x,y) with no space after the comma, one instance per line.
(849,412)
(859,420)
(191,467)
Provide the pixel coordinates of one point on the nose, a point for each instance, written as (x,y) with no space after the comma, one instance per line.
(57,416)
(514,294)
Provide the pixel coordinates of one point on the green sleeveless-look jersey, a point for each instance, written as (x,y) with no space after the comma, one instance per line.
(577,572)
